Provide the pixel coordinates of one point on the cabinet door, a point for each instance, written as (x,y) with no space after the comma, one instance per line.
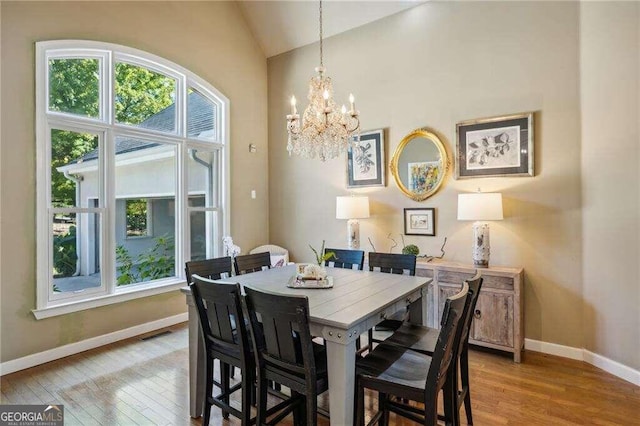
(493,319)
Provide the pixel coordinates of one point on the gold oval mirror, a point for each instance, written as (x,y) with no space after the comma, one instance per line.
(419,164)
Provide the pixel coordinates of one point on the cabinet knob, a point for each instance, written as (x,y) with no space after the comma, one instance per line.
(477,313)
(383,315)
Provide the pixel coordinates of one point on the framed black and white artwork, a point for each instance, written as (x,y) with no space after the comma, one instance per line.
(366,162)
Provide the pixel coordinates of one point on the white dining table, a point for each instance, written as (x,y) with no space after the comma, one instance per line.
(356,303)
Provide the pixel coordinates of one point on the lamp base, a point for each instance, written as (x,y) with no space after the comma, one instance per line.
(480,264)
(481,246)
(353,228)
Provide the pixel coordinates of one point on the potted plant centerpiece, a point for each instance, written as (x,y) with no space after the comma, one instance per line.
(316,272)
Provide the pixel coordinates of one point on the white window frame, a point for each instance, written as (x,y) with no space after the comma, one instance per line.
(49,303)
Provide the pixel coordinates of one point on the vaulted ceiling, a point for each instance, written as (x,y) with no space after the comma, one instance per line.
(280,26)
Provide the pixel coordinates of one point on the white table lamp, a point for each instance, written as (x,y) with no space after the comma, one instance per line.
(352,208)
(480,207)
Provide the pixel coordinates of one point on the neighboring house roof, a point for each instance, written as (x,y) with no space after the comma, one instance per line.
(200,113)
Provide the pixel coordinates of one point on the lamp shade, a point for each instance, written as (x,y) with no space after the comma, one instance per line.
(480,206)
(350,207)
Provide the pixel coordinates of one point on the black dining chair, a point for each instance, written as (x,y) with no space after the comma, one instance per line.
(286,354)
(400,375)
(392,263)
(226,339)
(213,269)
(248,263)
(424,339)
(345,259)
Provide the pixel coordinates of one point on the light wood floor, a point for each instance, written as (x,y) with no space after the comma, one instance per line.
(145,382)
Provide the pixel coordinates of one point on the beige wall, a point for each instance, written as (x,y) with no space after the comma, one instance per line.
(610,92)
(209,38)
(435,65)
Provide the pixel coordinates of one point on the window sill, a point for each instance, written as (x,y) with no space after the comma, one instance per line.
(109,299)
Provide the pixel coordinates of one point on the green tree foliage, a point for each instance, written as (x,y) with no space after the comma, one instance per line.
(140,93)
(74,86)
(66,147)
(64,254)
(137,217)
(152,264)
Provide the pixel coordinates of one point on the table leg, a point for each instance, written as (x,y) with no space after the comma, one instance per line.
(342,363)
(196,362)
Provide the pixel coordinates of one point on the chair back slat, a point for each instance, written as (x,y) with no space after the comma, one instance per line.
(393,263)
(453,313)
(220,314)
(283,340)
(213,269)
(345,259)
(475,285)
(252,263)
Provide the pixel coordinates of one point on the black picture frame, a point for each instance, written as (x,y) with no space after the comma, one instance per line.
(420,221)
(366,162)
(495,146)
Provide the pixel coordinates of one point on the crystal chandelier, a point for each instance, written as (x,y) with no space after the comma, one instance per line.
(324,131)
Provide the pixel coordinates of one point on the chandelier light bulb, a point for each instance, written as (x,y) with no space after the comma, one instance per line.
(343,110)
(293,105)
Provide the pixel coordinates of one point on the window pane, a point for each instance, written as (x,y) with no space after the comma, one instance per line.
(76,252)
(145,174)
(74,86)
(202,168)
(145,98)
(203,231)
(74,168)
(200,116)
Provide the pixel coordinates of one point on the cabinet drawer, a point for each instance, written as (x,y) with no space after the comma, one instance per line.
(488,281)
(424,272)
(453,277)
(493,319)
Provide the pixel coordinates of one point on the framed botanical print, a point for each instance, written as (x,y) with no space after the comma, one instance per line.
(366,162)
(496,146)
(419,221)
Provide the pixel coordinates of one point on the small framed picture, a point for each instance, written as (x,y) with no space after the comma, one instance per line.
(419,221)
(366,162)
(495,146)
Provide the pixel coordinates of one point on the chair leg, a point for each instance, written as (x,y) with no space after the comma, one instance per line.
(450,404)
(247,394)
(261,417)
(370,336)
(359,402)
(464,379)
(208,391)
(382,407)
(298,411)
(311,408)
(224,383)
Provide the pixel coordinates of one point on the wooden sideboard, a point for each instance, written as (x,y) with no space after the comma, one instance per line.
(498,316)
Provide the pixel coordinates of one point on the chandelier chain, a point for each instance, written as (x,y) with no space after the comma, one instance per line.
(321,64)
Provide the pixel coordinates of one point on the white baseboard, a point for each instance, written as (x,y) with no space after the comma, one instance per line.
(613,367)
(553,349)
(94,342)
(610,366)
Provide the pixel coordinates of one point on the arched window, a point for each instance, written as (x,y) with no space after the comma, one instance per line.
(132,173)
